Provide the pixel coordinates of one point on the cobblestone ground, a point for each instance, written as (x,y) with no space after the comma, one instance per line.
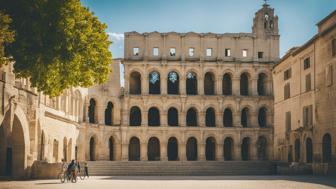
(199,182)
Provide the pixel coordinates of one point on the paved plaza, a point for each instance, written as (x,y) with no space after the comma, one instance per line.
(167,182)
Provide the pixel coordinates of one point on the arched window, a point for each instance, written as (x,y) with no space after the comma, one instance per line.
(326,148)
(191,149)
(228,148)
(210,117)
(227,118)
(191,83)
(135,116)
(309,150)
(192,118)
(227,84)
(172,149)
(262,83)
(153,117)
(172,117)
(65,149)
(135,83)
(153,149)
(262,148)
(210,149)
(245,117)
(244,84)
(92,111)
(111,148)
(92,149)
(134,149)
(209,84)
(154,83)
(109,114)
(245,149)
(297,149)
(173,83)
(262,117)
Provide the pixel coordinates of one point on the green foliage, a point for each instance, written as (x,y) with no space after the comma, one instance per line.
(59,44)
(6,37)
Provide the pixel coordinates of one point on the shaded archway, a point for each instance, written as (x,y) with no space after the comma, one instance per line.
(92,111)
(227,84)
(262,83)
(153,117)
(210,149)
(228,148)
(191,150)
(173,83)
(309,150)
(172,117)
(153,149)
(154,83)
(227,118)
(109,114)
(326,148)
(209,84)
(191,84)
(135,116)
(244,119)
(192,118)
(262,148)
(244,84)
(111,149)
(172,149)
(55,151)
(134,149)
(262,117)
(245,149)
(135,83)
(42,146)
(210,117)
(297,150)
(92,149)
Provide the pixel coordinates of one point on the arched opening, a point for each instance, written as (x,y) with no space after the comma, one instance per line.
(262,83)
(262,117)
(227,118)
(135,116)
(210,117)
(326,148)
(92,111)
(109,114)
(172,117)
(92,149)
(209,84)
(135,83)
(228,149)
(111,148)
(297,149)
(191,149)
(55,150)
(134,149)
(42,146)
(69,154)
(154,83)
(227,84)
(244,119)
(173,83)
(245,149)
(210,149)
(172,149)
(244,84)
(153,149)
(153,117)
(192,117)
(191,83)
(262,148)
(309,150)
(65,149)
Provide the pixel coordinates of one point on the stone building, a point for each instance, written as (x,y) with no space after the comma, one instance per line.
(304,100)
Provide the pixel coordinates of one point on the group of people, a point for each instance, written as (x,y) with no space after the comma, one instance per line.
(74,165)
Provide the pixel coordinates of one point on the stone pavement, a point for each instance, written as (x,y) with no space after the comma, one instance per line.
(180,182)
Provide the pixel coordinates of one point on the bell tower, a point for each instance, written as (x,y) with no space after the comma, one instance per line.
(265,23)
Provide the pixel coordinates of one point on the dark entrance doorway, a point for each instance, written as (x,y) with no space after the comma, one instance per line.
(309,150)
(9,162)
(228,143)
(210,149)
(172,149)
(92,149)
(192,149)
(134,149)
(153,149)
(111,149)
(245,149)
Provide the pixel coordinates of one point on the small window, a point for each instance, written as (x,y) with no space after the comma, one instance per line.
(244,52)
(135,51)
(287,91)
(329,75)
(208,52)
(155,51)
(333,47)
(227,52)
(191,51)
(172,51)
(288,122)
(308,82)
(306,63)
(287,74)
(260,55)
(307,116)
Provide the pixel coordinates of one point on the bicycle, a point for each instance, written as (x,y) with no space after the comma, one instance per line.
(72,177)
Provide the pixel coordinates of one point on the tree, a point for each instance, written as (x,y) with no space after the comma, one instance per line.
(59,44)
(6,36)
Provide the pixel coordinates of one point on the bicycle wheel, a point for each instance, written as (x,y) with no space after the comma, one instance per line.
(81,175)
(73,179)
(62,177)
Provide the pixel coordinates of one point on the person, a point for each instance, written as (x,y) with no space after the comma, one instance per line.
(86,169)
(78,166)
(64,166)
(71,167)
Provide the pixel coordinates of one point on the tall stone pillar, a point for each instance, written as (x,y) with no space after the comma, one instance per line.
(237,151)
(218,86)
(163,84)
(254,87)
(201,118)
(182,84)
(253,149)
(163,151)
(143,151)
(144,118)
(236,86)
(182,151)
(124,152)
(201,150)
(219,151)
(200,85)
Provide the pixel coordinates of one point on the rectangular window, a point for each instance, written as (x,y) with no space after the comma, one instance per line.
(329,75)
(287,91)
(172,51)
(260,55)
(191,51)
(288,122)
(244,52)
(135,51)
(307,116)
(306,63)
(208,52)
(308,82)
(155,51)
(333,47)
(287,74)
(227,52)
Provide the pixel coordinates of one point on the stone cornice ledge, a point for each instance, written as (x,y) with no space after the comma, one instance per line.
(60,118)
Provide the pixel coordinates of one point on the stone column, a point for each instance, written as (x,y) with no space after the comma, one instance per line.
(182,84)
(143,151)
(124,152)
(218,85)
(254,86)
(163,83)
(219,151)
(235,86)
(144,84)
(200,85)
(144,118)
(182,152)
(163,151)
(254,119)
(253,149)
(201,150)
(236,118)
(237,151)
(201,117)
(219,119)
(163,119)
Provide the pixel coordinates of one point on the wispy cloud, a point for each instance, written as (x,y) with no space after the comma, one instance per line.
(116,36)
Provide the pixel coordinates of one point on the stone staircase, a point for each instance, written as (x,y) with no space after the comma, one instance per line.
(175,168)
